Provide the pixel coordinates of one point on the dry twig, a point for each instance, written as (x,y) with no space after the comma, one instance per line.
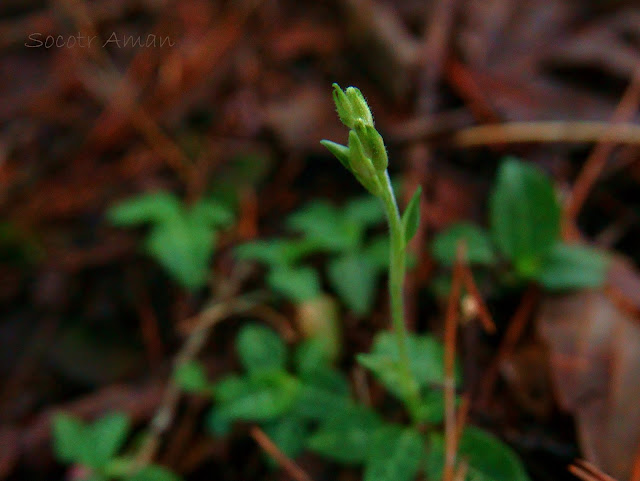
(451,324)
(269,447)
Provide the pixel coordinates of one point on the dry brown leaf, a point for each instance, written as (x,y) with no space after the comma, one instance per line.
(595,366)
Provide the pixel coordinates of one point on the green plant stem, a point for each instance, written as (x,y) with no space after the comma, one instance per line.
(397,268)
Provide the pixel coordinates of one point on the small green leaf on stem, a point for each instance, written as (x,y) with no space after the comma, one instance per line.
(260,349)
(573,267)
(341,152)
(411,216)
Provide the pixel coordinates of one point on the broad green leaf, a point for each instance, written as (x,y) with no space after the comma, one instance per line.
(366,211)
(411,216)
(298,284)
(489,458)
(289,434)
(479,249)
(215,424)
(184,250)
(573,267)
(191,377)
(431,410)
(261,397)
(426,357)
(146,208)
(311,355)
(346,436)
(153,473)
(316,403)
(354,279)
(230,388)
(275,252)
(181,240)
(211,213)
(525,216)
(69,436)
(395,454)
(107,437)
(261,349)
(324,224)
(324,393)
(377,252)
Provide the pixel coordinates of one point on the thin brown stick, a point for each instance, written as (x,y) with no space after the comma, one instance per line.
(512,336)
(553,131)
(287,464)
(462,416)
(588,472)
(594,165)
(461,472)
(450,328)
(165,413)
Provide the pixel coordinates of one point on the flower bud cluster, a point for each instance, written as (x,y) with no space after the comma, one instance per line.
(365,155)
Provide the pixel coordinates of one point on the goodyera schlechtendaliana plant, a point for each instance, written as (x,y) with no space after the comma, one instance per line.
(365,157)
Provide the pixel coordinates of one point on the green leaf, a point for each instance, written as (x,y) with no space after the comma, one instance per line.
(69,436)
(324,393)
(489,458)
(215,424)
(411,216)
(365,211)
(432,408)
(211,213)
(261,349)
(289,434)
(346,436)
(181,240)
(153,473)
(152,207)
(323,224)
(296,284)
(377,253)
(525,216)
(311,355)
(191,377)
(275,252)
(340,152)
(479,249)
(184,250)
(573,267)
(107,436)
(395,454)
(354,279)
(426,357)
(261,397)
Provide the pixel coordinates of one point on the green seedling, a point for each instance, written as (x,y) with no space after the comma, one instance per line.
(355,263)
(524,236)
(182,238)
(95,447)
(304,403)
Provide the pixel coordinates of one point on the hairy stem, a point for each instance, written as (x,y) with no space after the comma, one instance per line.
(397,268)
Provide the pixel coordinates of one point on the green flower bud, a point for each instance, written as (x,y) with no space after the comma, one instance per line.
(373,145)
(359,105)
(361,164)
(343,106)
